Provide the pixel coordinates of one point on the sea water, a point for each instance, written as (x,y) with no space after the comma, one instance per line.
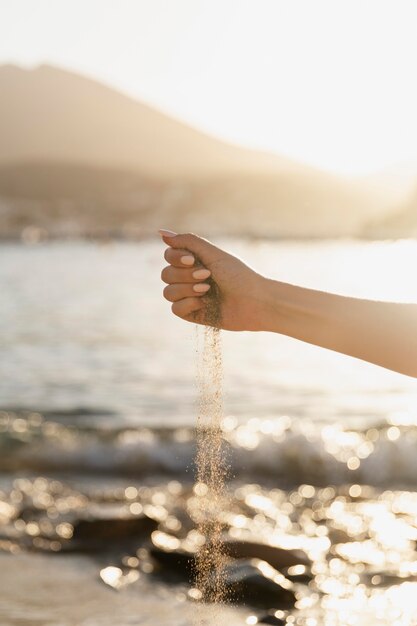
(97,385)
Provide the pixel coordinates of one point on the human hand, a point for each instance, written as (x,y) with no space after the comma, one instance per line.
(200,275)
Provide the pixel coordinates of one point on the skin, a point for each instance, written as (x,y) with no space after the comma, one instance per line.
(383,333)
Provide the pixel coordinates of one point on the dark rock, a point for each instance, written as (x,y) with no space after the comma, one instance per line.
(113,528)
(277,557)
(179,562)
(271,619)
(256,583)
(108,526)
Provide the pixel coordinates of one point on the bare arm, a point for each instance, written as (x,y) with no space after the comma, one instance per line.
(383,333)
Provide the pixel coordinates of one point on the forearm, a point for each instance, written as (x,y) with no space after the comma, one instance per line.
(384,333)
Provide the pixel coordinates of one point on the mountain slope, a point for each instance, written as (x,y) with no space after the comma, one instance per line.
(54,115)
(73,150)
(400,223)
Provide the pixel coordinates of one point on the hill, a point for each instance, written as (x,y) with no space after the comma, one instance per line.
(398,224)
(52,115)
(78,155)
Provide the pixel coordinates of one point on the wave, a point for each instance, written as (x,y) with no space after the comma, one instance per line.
(281,450)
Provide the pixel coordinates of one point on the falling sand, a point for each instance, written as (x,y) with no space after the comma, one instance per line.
(211,462)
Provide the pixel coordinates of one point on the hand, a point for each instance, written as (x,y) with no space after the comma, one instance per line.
(192,260)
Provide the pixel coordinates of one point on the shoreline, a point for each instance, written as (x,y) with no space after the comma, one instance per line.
(55,590)
(331,546)
(39,235)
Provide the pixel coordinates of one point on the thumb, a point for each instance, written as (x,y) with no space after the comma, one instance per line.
(202,248)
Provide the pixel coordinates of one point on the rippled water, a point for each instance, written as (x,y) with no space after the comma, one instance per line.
(85,325)
(89,343)
(97,384)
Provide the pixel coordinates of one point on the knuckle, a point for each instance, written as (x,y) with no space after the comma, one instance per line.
(189,238)
(167,254)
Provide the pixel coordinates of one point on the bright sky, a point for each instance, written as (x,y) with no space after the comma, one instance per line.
(330,82)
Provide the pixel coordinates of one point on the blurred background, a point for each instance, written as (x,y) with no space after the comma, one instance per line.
(287,133)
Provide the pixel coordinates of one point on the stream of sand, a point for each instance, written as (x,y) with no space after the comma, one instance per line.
(211,462)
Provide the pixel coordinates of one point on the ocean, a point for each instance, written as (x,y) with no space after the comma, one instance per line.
(98,388)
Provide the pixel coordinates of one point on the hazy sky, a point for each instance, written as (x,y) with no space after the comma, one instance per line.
(331,82)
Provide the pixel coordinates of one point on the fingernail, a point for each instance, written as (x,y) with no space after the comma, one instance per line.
(167,233)
(201,287)
(201,274)
(187,260)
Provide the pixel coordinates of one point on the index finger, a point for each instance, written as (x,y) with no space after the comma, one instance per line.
(179,258)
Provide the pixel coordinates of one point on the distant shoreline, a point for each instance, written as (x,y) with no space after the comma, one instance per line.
(35,238)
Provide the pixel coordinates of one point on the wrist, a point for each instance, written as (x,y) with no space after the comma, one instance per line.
(282,304)
(268,304)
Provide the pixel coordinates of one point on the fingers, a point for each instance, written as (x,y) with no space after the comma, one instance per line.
(193,243)
(185,274)
(187,307)
(179,258)
(172,275)
(173,293)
